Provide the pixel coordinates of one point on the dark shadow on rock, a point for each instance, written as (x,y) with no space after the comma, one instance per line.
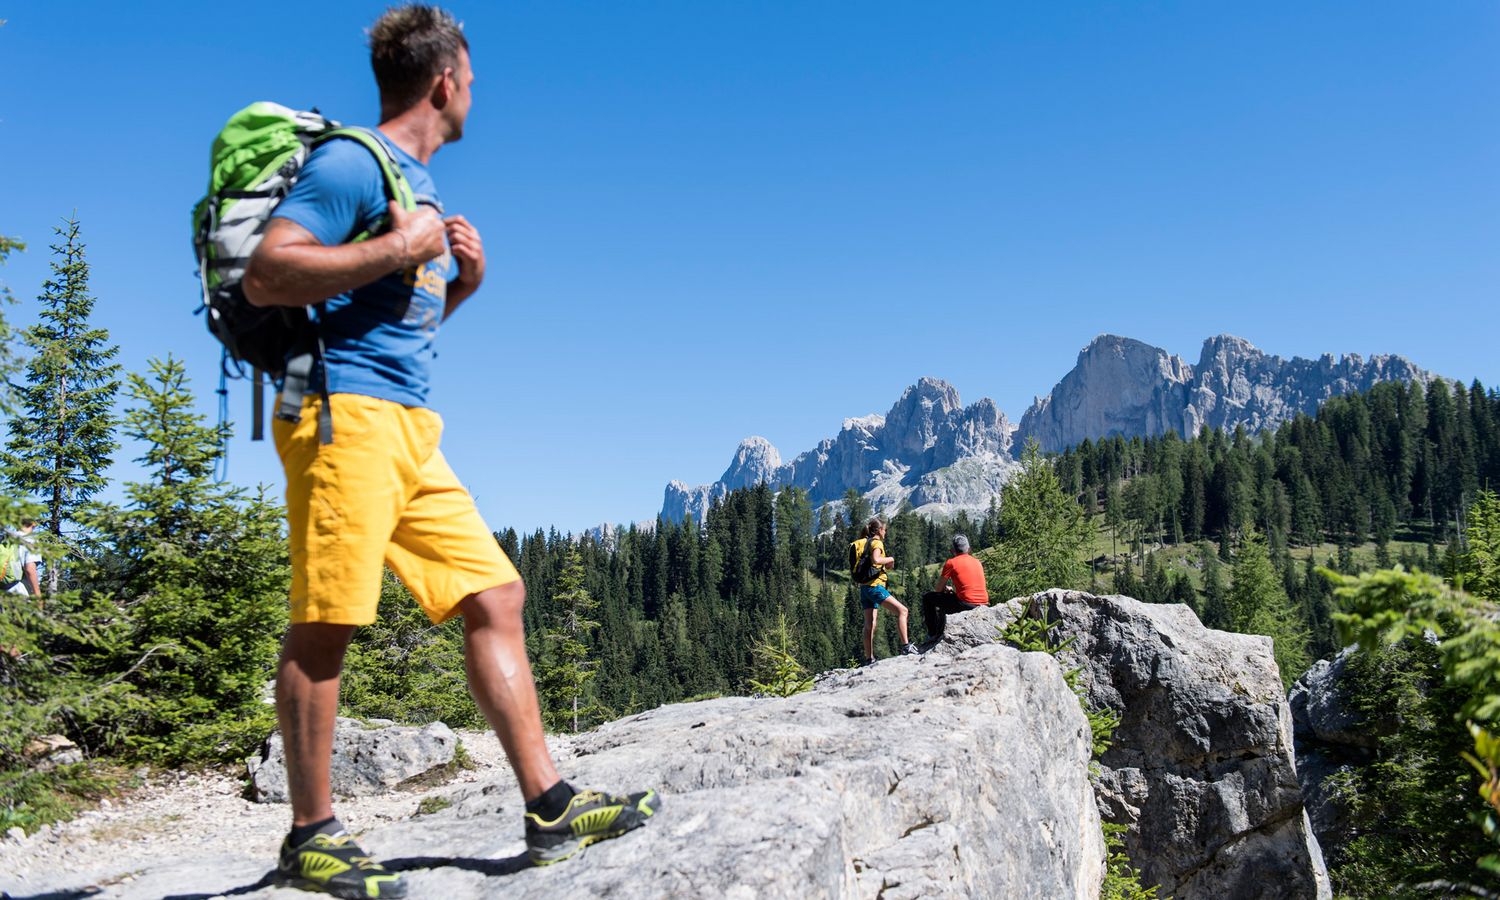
(490,868)
(265,881)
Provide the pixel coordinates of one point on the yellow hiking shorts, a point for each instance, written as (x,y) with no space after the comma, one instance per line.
(380,493)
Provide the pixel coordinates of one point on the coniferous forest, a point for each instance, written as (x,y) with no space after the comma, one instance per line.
(158,625)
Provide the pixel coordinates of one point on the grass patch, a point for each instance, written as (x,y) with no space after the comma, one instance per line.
(30,799)
(430,805)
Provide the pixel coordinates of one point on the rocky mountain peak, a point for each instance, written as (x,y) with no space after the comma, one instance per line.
(1228,350)
(755,460)
(913,453)
(913,425)
(1125,387)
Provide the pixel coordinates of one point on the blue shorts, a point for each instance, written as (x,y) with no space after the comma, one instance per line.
(872,595)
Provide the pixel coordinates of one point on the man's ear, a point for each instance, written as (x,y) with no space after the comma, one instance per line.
(442,88)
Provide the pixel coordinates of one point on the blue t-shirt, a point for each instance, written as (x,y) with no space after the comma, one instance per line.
(378,339)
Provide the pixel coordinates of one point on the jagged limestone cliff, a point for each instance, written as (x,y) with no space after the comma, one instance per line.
(1124,387)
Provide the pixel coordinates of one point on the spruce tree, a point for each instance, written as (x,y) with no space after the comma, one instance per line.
(1215,597)
(1044,533)
(63,441)
(1114,517)
(569,665)
(196,574)
(1480,562)
(856,511)
(1258,604)
(776,671)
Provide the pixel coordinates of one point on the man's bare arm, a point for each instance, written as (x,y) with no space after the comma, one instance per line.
(291,268)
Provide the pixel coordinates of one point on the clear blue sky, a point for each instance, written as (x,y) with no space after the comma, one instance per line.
(708,220)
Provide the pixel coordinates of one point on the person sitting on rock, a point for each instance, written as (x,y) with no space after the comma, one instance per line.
(959,588)
(871,575)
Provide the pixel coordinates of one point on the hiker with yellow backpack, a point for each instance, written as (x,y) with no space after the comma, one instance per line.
(869,567)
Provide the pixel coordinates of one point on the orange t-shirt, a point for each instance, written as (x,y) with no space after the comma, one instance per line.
(968,579)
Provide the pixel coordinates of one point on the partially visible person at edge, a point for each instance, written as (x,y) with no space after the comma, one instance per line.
(20,568)
(959,588)
(875,595)
(382,493)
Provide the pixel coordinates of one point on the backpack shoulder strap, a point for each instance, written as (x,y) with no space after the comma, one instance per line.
(397,187)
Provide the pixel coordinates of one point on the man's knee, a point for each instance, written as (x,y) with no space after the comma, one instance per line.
(318,640)
(499,605)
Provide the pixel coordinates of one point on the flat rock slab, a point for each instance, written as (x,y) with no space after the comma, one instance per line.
(959,774)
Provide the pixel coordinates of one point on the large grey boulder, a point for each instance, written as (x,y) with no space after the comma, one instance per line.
(1320,710)
(1330,737)
(954,776)
(1201,768)
(368,758)
(951,775)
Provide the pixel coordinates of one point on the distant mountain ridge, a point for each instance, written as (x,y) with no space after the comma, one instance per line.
(1126,387)
(929,449)
(943,457)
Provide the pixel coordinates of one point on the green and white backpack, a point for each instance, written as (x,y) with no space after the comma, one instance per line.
(255,160)
(11,568)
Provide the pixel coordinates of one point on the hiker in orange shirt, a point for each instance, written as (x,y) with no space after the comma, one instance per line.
(959,588)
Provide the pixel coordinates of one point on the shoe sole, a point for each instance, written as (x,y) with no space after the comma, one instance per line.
(349,892)
(573,848)
(644,808)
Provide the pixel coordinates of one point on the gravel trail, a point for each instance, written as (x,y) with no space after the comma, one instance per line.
(179,814)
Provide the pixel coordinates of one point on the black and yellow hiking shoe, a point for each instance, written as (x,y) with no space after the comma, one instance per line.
(591,816)
(335,864)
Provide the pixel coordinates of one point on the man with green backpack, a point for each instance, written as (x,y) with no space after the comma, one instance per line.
(366,483)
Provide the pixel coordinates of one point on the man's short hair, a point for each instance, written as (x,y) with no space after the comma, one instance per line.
(409,46)
(960,543)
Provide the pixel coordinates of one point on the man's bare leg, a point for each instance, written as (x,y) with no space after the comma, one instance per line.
(500,681)
(307,702)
